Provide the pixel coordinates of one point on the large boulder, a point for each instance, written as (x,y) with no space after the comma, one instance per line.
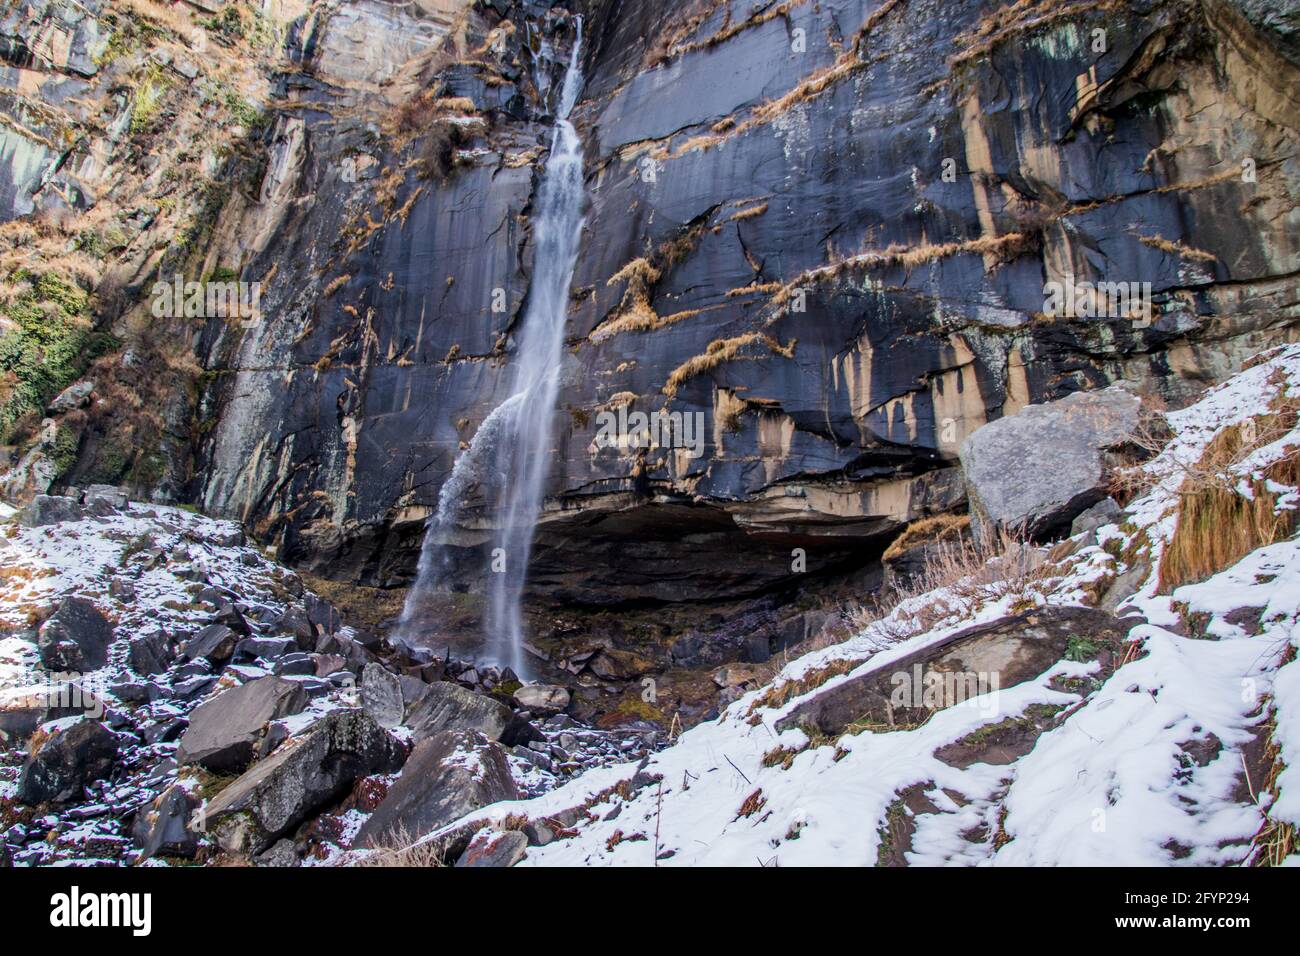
(1038,469)
(278,793)
(549,698)
(66,755)
(214,643)
(75,638)
(448,706)
(149,654)
(162,826)
(226,732)
(50,509)
(382,696)
(447,776)
(24,709)
(975,661)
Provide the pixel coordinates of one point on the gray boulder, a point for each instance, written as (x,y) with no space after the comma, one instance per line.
(50,509)
(214,643)
(225,732)
(382,696)
(975,661)
(278,793)
(149,653)
(549,698)
(162,826)
(1040,468)
(75,638)
(448,706)
(71,398)
(68,754)
(447,776)
(24,710)
(1107,511)
(110,495)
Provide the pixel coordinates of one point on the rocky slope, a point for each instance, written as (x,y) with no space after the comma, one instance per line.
(1097,705)
(162,684)
(834,230)
(826,227)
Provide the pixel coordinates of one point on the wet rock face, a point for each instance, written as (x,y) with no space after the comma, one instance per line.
(847,237)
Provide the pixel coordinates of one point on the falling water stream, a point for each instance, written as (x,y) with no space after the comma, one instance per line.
(510,452)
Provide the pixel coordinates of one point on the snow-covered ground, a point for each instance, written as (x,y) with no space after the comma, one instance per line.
(1145,765)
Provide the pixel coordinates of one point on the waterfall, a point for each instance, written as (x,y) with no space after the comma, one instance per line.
(511,450)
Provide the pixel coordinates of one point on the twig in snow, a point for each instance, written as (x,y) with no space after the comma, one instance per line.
(737,769)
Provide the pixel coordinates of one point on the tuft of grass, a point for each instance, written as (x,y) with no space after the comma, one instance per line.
(402,850)
(937,528)
(1224,515)
(1178,249)
(778,695)
(719,352)
(150,95)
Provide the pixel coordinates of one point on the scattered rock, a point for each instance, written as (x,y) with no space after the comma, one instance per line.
(448,706)
(1107,511)
(381,695)
(75,638)
(277,794)
(547,698)
(109,495)
(76,395)
(24,710)
(225,732)
(492,848)
(447,776)
(66,755)
(149,653)
(214,643)
(50,509)
(162,826)
(283,855)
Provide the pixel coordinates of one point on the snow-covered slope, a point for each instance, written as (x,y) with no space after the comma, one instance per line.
(1179,747)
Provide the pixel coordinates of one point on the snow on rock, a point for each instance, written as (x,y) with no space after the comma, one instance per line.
(1130,755)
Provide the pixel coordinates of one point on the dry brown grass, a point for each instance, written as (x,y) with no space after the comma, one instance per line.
(1003,247)
(400,849)
(1217,524)
(778,695)
(937,528)
(720,351)
(1019,18)
(1178,249)
(848,62)
(1275,840)
(751,213)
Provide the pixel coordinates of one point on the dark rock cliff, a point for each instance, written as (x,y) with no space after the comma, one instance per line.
(827,226)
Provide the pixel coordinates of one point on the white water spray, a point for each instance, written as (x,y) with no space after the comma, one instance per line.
(511,449)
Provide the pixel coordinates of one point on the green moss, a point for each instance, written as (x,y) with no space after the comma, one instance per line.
(149,97)
(63,454)
(47,346)
(1081,649)
(246,114)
